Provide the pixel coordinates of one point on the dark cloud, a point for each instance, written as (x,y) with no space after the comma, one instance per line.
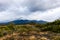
(3,7)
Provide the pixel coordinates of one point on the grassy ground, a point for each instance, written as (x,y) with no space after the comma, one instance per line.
(48,31)
(27,32)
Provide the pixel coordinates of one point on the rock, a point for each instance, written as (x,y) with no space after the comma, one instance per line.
(44,38)
(32,37)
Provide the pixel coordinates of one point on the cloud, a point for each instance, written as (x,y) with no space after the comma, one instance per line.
(49,15)
(48,10)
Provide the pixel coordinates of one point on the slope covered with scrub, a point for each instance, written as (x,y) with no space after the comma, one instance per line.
(31,31)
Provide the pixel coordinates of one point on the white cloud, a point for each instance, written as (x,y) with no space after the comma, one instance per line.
(49,15)
(48,10)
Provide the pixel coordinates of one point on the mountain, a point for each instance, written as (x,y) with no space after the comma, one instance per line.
(28,21)
(24,22)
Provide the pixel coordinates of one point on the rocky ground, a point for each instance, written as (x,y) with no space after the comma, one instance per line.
(32,35)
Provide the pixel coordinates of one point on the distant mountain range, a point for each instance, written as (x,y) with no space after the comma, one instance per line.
(25,22)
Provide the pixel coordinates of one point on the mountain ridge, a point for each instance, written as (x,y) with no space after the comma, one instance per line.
(25,21)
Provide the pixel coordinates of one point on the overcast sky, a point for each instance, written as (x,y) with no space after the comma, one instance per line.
(48,10)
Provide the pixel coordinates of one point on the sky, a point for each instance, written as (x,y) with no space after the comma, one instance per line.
(47,10)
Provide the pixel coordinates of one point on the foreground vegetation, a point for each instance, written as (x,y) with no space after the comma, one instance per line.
(33,31)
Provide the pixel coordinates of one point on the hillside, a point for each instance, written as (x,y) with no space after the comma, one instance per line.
(48,31)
